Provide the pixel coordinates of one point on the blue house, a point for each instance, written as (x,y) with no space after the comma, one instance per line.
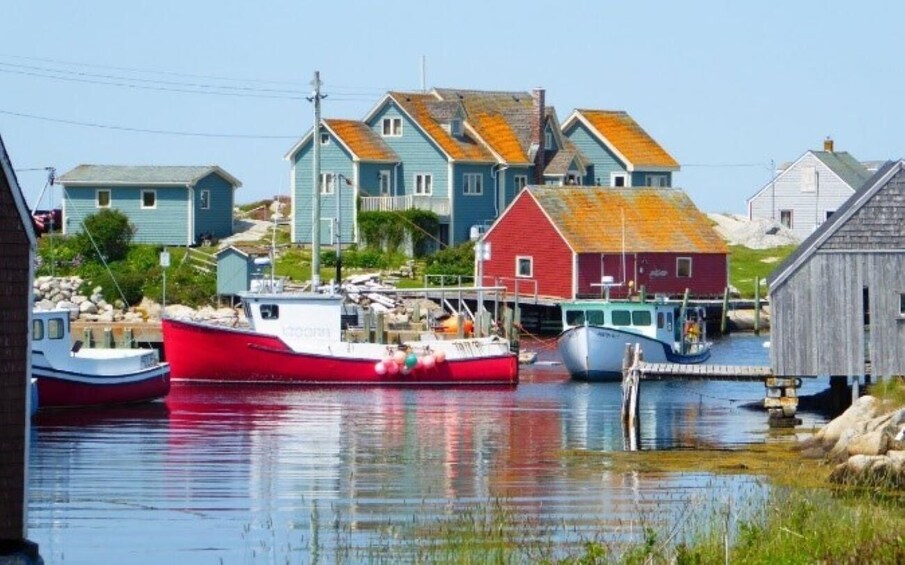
(167,205)
(618,151)
(355,162)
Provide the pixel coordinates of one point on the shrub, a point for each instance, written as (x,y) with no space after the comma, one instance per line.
(453,261)
(110,231)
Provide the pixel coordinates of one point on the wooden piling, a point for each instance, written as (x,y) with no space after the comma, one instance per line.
(381,328)
(108,338)
(369,337)
(724,319)
(128,340)
(756,305)
(460,326)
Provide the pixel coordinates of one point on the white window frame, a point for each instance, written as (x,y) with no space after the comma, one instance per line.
(678,260)
(423,184)
(204,198)
(148,191)
(520,182)
(391,127)
(97,198)
(328,183)
(623,176)
(325,138)
(518,266)
(475,187)
(384,184)
(548,140)
(791,218)
(809,179)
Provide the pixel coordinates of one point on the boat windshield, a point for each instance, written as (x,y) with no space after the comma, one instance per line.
(578,317)
(631,318)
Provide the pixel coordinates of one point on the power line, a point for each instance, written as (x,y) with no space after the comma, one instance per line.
(143,130)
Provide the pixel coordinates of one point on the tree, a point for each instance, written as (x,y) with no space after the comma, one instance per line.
(110,231)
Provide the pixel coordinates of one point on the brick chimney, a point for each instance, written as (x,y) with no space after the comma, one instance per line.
(828,144)
(537,133)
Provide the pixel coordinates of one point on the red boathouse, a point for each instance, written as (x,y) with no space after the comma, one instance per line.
(560,241)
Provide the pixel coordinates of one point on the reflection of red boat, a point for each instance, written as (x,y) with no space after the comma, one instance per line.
(70,376)
(296,338)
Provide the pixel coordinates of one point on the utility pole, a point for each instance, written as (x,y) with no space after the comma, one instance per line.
(316,97)
(338,231)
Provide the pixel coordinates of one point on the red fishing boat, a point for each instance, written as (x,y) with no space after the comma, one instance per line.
(298,338)
(68,376)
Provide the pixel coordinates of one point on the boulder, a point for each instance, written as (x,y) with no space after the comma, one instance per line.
(87,307)
(178,311)
(862,410)
(871,443)
(44,305)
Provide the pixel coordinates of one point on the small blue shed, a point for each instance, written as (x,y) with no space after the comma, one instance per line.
(237,266)
(167,205)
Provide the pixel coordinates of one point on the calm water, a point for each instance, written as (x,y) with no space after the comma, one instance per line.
(276,475)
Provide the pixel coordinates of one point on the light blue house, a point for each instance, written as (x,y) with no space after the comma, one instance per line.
(167,205)
(617,150)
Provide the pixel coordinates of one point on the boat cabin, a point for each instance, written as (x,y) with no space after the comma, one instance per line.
(294,317)
(656,320)
(50,333)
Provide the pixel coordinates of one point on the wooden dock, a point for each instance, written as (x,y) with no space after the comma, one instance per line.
(668,371)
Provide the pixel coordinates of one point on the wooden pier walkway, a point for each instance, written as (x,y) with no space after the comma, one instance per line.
(741,373)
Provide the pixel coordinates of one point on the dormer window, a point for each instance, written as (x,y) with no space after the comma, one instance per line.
(455,127)
(325,138)
(548,140)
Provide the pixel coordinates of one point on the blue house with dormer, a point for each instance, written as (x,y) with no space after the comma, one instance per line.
(463,154)
(167,205)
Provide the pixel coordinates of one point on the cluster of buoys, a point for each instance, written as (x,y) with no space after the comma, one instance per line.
(406,362)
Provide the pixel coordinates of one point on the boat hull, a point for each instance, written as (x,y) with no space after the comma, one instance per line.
(205,353)
(593,353)
(62,389)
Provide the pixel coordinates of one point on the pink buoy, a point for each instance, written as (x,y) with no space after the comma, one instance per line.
(392,368)
(440,356)
(399,357)
(428,361)
(380,368)
(406,370)
(387,361)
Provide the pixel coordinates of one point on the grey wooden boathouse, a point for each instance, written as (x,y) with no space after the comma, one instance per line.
(839,300)
(17,248)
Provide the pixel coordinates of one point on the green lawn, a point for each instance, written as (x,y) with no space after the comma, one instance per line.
(745,264)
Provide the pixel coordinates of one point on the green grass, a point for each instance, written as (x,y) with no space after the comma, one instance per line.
(745,264)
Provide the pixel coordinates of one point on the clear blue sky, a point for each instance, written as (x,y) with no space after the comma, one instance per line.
(716,83)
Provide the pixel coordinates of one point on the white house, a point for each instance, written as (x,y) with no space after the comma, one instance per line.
(804,194)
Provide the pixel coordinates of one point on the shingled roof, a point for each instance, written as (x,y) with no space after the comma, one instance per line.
(664,220)
(103,175)
(846,167)
(627,139)
(362,141)
(429,113)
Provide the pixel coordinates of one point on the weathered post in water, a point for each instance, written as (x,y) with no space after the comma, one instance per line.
(724,319)
(631,384)
(369,337)
(381,328)
(756,305)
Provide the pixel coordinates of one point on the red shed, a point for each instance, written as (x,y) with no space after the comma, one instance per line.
(564,240)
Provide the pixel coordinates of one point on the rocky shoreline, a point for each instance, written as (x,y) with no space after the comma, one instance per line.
(866,443)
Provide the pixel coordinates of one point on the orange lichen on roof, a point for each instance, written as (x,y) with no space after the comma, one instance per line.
(629,139)
(463,149)
(656,220)
(496,131)
(362,140)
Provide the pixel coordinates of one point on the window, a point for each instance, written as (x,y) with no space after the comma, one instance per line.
(37,330)
(392,127)
(683,267)
(785,218)
(902,304)
(270,311)
(575,317)
(641,318)
(618,179)
(829,214)
(548,140)
(205,199)
(102,198)
(327,181)
(149,199)
(325,138)
(595,317)
(661,320)
(55,328)
(808,179)
(455,127)
(521,181)
(655,180)
(473,183)
(573,178)
(384,182)
(423,183)
(622,318)
(524,266)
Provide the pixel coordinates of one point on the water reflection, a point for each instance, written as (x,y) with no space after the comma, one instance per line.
(244,474)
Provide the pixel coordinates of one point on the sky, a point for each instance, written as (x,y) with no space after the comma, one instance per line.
(725,87)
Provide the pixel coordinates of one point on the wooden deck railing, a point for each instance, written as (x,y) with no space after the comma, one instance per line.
(404,202)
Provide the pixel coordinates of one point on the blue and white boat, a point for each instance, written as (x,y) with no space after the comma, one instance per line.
(595,333)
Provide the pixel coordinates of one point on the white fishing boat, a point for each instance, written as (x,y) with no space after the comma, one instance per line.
(595,333)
